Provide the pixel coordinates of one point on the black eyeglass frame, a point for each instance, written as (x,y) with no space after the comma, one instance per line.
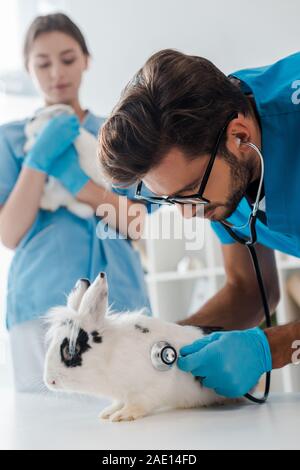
(201,200)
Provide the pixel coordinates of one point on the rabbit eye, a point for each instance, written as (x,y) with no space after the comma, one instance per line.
(74,360)
(70,360)
(66,353)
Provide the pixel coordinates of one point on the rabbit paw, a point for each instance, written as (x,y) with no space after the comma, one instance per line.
(110,410)
(128,413)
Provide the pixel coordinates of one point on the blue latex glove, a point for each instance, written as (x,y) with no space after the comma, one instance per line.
(67,170)
(231,362)
(57,135)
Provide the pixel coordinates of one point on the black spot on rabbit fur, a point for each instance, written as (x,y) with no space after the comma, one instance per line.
(87,282)
(96,337)
(74,358)
(142,329)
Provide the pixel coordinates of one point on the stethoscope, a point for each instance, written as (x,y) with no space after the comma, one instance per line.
(163,355)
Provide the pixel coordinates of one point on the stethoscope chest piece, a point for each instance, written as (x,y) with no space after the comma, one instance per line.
(163,356)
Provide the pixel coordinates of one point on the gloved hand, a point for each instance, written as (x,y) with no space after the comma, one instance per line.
(231,363)
(57,135)
(67,170)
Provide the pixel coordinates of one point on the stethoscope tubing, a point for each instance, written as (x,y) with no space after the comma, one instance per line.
(250,244)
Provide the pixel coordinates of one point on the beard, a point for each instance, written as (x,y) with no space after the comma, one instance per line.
(240,178)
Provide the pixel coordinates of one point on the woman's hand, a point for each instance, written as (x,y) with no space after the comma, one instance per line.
(67,170)
(56,137)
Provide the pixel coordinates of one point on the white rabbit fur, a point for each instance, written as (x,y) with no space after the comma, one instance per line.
(55,194)
(119,367)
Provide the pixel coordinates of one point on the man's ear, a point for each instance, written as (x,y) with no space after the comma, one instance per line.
(76,295)
(95,299)
(238,131)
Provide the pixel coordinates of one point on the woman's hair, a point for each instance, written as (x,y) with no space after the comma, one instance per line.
(50,23)
(175,100)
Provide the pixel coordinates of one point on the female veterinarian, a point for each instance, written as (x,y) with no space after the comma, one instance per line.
(55,249)
(178,113)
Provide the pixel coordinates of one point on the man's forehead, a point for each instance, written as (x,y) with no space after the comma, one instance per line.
(173,173)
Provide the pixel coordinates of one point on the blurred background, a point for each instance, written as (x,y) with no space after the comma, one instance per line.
(121,35)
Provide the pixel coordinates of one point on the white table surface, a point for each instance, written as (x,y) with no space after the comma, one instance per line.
(67,422)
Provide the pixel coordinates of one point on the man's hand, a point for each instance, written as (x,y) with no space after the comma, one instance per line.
(231,363)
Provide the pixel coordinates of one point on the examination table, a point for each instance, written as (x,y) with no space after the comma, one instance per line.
(68,422)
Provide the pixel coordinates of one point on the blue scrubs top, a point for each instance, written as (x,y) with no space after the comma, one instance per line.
(276,91)
(61,248)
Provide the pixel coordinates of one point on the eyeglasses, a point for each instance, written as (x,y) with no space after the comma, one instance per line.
(194,199)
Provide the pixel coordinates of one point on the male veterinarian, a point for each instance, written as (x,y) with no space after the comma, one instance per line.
(163,133)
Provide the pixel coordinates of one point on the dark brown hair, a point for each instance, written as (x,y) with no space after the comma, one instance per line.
(49,24)
(174,100)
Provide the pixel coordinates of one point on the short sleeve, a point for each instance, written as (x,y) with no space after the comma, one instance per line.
(130,193)
(9,168)
(221,233)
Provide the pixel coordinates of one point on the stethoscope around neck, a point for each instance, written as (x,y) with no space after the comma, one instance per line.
(163,355)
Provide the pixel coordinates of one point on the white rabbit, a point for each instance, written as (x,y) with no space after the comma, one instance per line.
(109,355)
(55,195)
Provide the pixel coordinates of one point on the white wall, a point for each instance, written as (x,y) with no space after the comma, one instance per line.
(232,33)
(122,34)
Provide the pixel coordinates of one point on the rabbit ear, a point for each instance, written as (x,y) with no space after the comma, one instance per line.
(75,297)
(95,301)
